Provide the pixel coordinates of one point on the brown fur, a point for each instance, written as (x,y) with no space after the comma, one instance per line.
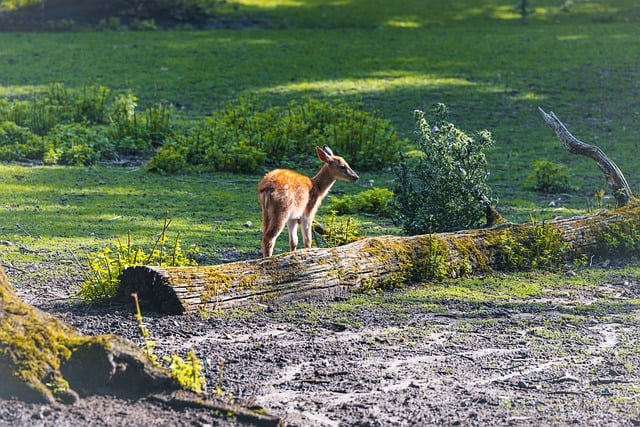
(290,198)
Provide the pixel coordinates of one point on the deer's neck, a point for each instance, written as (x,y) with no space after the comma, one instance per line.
(322,183)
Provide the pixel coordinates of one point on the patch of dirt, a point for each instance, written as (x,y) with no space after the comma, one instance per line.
(570,358)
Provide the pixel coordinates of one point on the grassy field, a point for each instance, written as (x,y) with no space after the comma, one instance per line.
(477,57)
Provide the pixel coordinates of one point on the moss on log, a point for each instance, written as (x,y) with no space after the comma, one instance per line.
(372,262)
(42,359)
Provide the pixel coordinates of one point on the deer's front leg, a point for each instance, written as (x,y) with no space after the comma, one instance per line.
(292,226)
(306,231)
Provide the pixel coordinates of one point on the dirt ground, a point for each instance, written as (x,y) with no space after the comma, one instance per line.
(569,359)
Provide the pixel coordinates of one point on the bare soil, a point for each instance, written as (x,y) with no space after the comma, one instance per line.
(572,358)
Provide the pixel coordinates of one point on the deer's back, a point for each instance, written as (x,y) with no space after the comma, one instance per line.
(286,188)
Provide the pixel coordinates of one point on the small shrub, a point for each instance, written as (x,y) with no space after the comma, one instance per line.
(621,239)
(433,264)
(339,231)
(549,177)
(443,188)
(168,159)
(77,144)
(542,247)
(375,201)
(137,133)
(17,142)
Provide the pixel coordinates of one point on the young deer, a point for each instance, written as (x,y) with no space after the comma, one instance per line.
(290,198)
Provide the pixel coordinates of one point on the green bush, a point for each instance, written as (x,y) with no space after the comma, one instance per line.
(77,144)
(540,247)
(340,231)
(242,137)
(443,188)
(169,159)
(549,177)
(18,143)
(376,201)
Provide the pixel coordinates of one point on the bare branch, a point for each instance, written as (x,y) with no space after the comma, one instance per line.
(612,173)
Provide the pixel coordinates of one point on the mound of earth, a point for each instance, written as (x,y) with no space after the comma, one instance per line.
(61,15)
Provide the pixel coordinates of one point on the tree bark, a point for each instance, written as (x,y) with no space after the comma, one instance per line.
(368,263)
(618,183)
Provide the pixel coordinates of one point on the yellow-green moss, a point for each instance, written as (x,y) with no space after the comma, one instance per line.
(33,348)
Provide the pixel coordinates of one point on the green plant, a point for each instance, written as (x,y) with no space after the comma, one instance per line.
(444,188)
(549,177)
(168,159)
(77,144)
(621,239)
(432,264)
(17,142)
(376,201)
(540,247)
(339,231)
(187,373)
(242,136)
(106,265)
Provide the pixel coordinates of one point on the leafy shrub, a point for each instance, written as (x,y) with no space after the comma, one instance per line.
(376,201)
(77,144)
(106,265)
(621,239)
(549,177)
(241,137)
(443,188)
(17,143)
(168,159)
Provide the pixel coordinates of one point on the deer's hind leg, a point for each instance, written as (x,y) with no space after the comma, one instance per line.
(272,226)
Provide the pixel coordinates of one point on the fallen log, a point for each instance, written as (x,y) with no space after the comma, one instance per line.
(387,261)
(392,261)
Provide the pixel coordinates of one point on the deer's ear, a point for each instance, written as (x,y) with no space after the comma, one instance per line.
(327,150)
(322,154)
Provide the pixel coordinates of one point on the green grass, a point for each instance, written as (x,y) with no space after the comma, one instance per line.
(61,209)
(476,57)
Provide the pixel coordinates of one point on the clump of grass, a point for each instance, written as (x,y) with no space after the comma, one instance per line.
(375,201)
(106,265)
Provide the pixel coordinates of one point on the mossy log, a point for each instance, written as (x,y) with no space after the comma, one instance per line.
(368,263)
(44,360)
